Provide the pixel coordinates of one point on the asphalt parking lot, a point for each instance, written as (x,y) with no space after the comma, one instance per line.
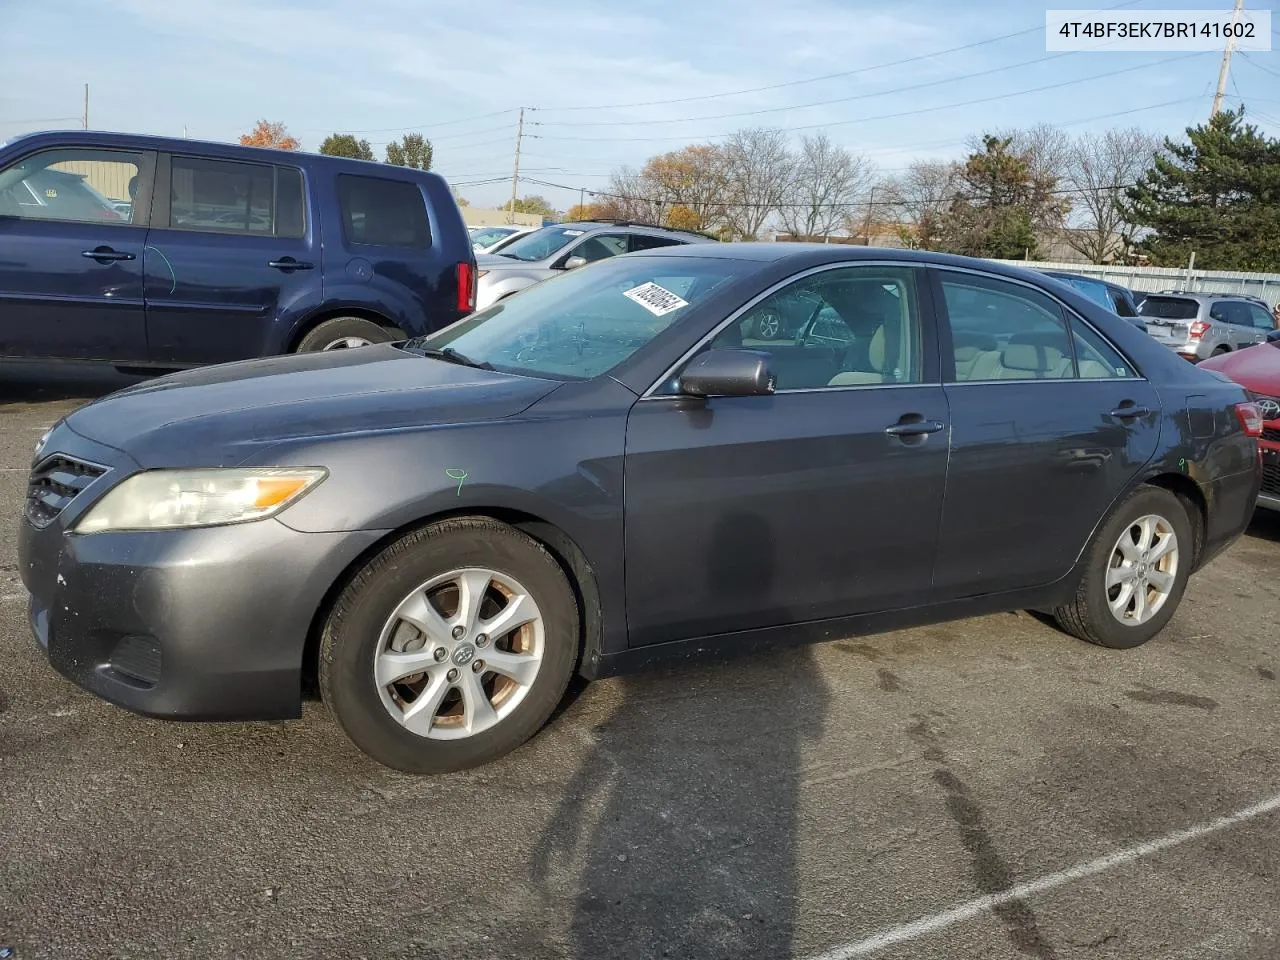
(876,796)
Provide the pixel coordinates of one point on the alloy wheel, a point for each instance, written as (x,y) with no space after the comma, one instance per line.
(459,653)
(345,343)
(1143,570)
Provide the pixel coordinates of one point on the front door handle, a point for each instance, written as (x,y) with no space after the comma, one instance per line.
(288,263)
(913,428)
(106,255)
(1130,411)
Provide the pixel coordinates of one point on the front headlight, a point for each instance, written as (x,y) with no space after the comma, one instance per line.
(169,499)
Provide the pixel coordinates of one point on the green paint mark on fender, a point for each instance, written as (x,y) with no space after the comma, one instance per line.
(457,473)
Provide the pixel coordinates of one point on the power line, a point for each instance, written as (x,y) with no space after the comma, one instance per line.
(421,126)
(903,113)
(1255,63)
(42,120)
(830,76)
(805,106)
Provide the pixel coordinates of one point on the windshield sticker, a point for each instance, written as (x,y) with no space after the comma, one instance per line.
(574,233)
(657,300)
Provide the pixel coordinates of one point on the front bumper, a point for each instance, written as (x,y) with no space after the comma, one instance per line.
(203,624)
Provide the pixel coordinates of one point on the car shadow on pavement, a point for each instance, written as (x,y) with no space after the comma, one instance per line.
(22,382)
(678,833)
(1265,525)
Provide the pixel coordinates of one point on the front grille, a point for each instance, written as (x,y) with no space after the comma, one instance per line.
(1271,476)
(1271,433)
(55,482)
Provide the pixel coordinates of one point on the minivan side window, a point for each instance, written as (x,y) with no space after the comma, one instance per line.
(1121,305)
(230,196)
(383,212)
(72,184)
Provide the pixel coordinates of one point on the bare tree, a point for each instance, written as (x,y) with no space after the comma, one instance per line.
(919,198)
(758,173)
(826,184)
(628,197)
(1101,166)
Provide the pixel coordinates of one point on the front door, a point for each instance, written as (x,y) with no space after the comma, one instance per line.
(71,254)
(821,500)
(1049,422)
(230,252)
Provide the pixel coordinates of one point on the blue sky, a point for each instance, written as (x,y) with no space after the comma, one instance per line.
(457,72)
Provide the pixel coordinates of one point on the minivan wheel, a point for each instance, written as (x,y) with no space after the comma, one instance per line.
(341,333)
(1221,350)
(1135,572)
(451,647)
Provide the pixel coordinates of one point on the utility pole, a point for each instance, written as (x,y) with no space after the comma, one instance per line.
(515,174)
(582,199)
(1225,69)
(86,106)
(866,224)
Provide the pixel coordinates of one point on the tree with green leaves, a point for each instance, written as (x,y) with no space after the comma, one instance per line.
(1002,200)
(1217,195)
(413,150)
(346,145)
(532,204)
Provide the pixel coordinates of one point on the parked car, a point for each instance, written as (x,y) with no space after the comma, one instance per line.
(551,250)
(485,239)
(438,531)
(1119,300)
(226,252)
(1257,369)
(1202,325)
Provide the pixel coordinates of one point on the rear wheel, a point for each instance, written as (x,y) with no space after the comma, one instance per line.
(343,333)
(450,648)
(1135,572)
(1221,350)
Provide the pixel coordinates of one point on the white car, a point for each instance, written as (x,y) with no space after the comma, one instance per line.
(488,239)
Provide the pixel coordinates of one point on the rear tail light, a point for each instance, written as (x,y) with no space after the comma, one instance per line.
(466,287)
(1250,417)
(1199,329)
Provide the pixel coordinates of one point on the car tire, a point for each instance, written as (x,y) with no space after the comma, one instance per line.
(1219,351)
(1103,614)
(338,333)
(359,632)
(768,326)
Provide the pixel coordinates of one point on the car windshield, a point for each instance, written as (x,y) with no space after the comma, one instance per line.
(540,244)
(584,323)
(1169,308)
(484,236)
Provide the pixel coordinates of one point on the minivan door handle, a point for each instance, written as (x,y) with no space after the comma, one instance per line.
(106,255)
(288,263)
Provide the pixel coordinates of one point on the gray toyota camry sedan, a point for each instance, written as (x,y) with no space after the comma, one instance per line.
(608,470)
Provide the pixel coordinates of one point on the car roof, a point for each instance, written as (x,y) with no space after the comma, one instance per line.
(632,226)
(210,148)
(1202,297)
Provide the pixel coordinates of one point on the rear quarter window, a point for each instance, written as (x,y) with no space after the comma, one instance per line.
(382,212)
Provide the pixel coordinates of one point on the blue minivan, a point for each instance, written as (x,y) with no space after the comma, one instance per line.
(163,253)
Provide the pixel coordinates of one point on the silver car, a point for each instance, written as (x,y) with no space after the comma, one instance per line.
(1203,325)
(563,246)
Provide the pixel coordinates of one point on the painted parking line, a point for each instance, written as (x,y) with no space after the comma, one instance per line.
(975,908)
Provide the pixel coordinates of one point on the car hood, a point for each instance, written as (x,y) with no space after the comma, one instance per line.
(496,261)
(220,415)
(1256,368)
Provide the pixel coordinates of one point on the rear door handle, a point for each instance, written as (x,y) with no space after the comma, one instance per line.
(914,428)
(106,255)
(288,263)
(1129,411)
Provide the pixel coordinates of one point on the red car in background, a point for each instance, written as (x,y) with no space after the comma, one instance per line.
(1257,369)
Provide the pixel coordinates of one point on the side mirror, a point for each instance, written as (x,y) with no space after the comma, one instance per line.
(574,262)
(728,373)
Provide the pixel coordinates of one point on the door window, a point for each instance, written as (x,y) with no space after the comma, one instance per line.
(1121,304)
(1262,320)
(645,241)
(847,327)
(383,212)
(1095,358)
(79,185)
(600,247)
(1005,331)
(227,196)
(1231,311)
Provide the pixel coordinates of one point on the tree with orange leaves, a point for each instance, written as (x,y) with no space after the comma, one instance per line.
(270,134)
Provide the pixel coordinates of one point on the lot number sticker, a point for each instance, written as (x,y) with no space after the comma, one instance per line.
(657,300)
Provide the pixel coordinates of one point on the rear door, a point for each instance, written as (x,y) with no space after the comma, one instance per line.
(1049,422)
(71,253)
(232,253)
(1263,322)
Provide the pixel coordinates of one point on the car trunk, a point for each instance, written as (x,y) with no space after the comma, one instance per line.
(1169,318)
